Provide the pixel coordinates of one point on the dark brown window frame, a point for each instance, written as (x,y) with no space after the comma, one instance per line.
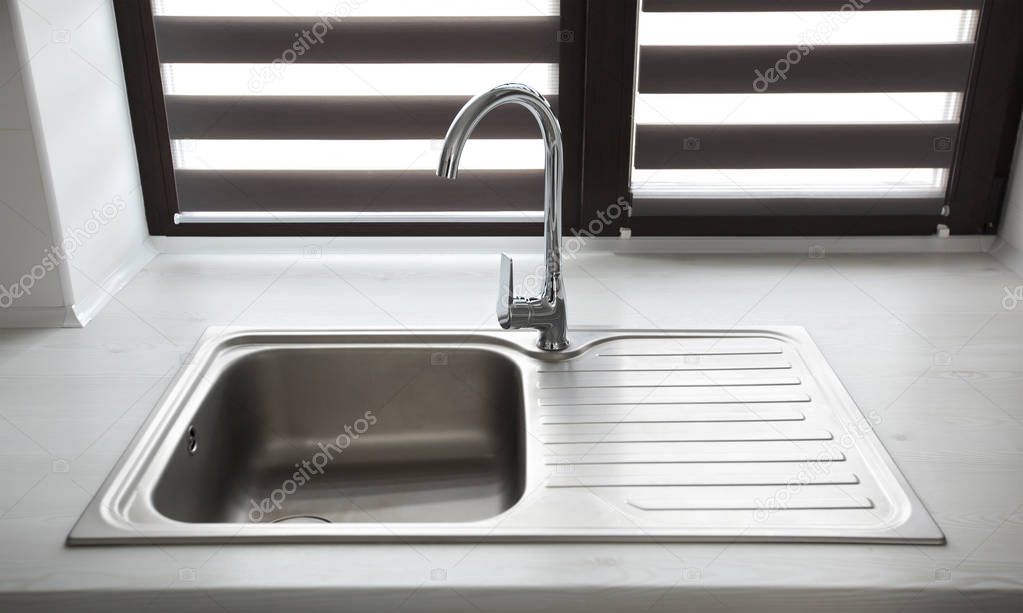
(595,106)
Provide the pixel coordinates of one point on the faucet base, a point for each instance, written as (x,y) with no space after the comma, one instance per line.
(552,344)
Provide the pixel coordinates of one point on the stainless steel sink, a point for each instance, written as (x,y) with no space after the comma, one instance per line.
(307,436)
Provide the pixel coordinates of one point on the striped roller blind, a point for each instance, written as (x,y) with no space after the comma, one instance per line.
(796,107)
(334,110)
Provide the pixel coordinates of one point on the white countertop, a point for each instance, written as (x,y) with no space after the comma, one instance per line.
(922,340)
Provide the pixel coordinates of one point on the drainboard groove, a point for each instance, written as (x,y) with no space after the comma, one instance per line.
(718,385)
(582,420)
(719,480)
(837,504)
(612,438)
(694,459)
(630,404)
(688,354)
(667,414)
(552,371)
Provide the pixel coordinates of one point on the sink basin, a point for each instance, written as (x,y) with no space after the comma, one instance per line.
(325,436)
(351,434)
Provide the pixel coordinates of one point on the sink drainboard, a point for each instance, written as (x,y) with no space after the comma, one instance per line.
(740,435)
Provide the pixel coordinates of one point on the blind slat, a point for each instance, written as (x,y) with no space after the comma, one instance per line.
(834,69)
(262,40)
(702,6)
(795,146)
(241,190)
(335,117)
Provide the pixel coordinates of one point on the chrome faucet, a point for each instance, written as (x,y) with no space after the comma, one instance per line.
(545,312)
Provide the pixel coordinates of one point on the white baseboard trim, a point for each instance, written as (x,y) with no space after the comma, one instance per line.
(34,317)
(1010,256)
(86,308)
(483,245)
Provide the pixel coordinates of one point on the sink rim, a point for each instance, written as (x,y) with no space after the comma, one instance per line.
(218,347)
(118,514)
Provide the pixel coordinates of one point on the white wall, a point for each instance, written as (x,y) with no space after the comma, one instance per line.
(1010,245)
(79,111)
(29,295)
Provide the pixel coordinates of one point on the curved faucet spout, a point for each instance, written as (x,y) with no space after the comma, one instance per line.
(547,311)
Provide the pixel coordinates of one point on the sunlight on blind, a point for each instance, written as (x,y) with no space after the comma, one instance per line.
(789,183)
(758,109)
(480,154)
(810,27)
(388,81)
(352,79)
(816,104)
(360,8)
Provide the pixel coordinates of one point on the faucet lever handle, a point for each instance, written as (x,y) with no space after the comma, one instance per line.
(505,290)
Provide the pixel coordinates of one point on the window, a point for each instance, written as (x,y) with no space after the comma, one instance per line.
(813,116)
(711,117)
(327,116)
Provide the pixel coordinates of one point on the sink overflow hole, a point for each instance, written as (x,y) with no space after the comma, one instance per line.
(193,443)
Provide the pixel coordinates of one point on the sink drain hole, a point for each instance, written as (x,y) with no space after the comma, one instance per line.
(301,519)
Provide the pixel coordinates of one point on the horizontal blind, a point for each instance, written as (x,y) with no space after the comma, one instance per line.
(798,107)
(314,110)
